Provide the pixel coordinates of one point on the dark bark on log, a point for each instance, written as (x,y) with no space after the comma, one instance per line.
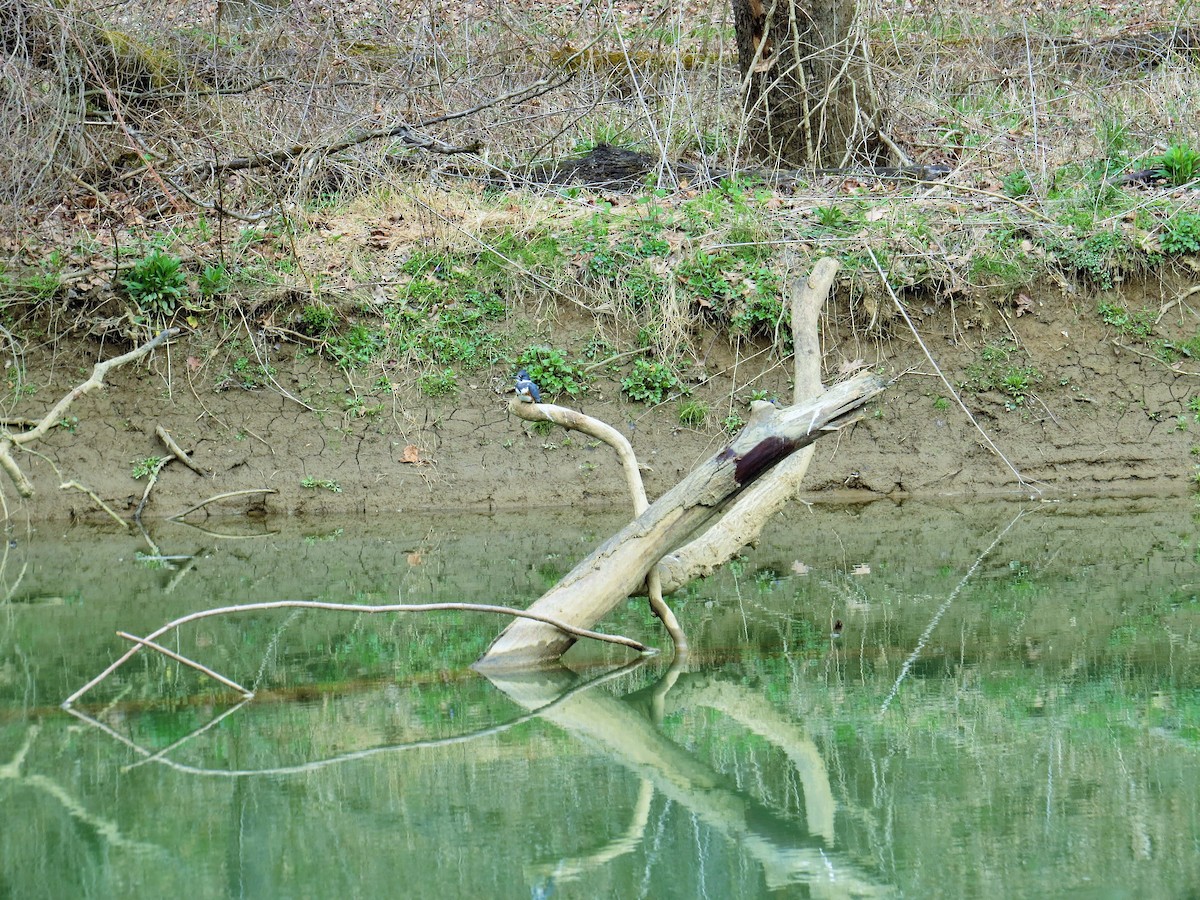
(615,570)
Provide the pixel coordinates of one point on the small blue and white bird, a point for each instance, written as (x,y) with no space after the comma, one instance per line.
(526,389)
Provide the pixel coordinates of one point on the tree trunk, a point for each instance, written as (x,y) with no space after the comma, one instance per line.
(806,81)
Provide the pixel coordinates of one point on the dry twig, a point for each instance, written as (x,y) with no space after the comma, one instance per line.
(101,369)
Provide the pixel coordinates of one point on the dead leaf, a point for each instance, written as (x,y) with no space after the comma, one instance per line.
(1024,304)
(800,568)
(875,213)
(412,455)
(861,569)
(849,367)
(194,363)
(414,558)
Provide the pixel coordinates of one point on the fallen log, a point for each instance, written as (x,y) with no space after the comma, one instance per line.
(615,569)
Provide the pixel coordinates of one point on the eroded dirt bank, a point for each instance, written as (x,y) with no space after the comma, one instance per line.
(1099,414)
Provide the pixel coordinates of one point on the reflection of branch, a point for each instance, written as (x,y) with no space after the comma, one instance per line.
(754,713)
(224,496)
(109,830)
(941,610)
(358,608)
(357,754)
(195,733)
(572,867)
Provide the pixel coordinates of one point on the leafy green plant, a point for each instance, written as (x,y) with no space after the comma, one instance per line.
(1131,324)
(144,467)
(356,347)
(705,277)
(650,382)
(552,373)
(1179,164)
(831,217)
(996,371)
(213,281)
(316,319)
(941,404)
(326,484)
(439,384)
(693,413)
(247,374)
(156,283)
(1181,233)
(1016,184)
(732,423)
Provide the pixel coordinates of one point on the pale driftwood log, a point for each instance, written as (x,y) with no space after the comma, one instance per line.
(573,419)
(617,568)
(744,521)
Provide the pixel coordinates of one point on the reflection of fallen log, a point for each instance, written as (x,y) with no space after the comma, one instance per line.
(786,852)
(613,571)
(578,866)
(756,715)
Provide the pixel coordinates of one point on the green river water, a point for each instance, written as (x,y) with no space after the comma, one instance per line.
(1011,708)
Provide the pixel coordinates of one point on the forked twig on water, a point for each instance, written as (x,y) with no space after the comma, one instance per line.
(352,607)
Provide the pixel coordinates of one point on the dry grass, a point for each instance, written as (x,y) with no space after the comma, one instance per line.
(119,115)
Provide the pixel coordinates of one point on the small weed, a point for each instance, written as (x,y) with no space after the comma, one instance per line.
(316,320)
(651,382)
(1017,382)
(542,428)
(325,484)
(941,404)
(156,283)
(733,423)
(831,217)
(693,413)
(1131,324)
(213,282)
(45,282)
(994,353)
(1016,184)
(997,372)
(145,467)
(247,375)
(439,384)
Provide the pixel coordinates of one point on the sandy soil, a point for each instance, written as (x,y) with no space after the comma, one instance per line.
(1106,419)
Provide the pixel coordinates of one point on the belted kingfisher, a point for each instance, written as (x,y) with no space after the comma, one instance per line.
(526,389)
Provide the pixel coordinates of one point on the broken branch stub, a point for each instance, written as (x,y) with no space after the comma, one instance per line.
(615,569)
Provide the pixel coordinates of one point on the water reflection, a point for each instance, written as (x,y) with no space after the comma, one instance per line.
(1044,741)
